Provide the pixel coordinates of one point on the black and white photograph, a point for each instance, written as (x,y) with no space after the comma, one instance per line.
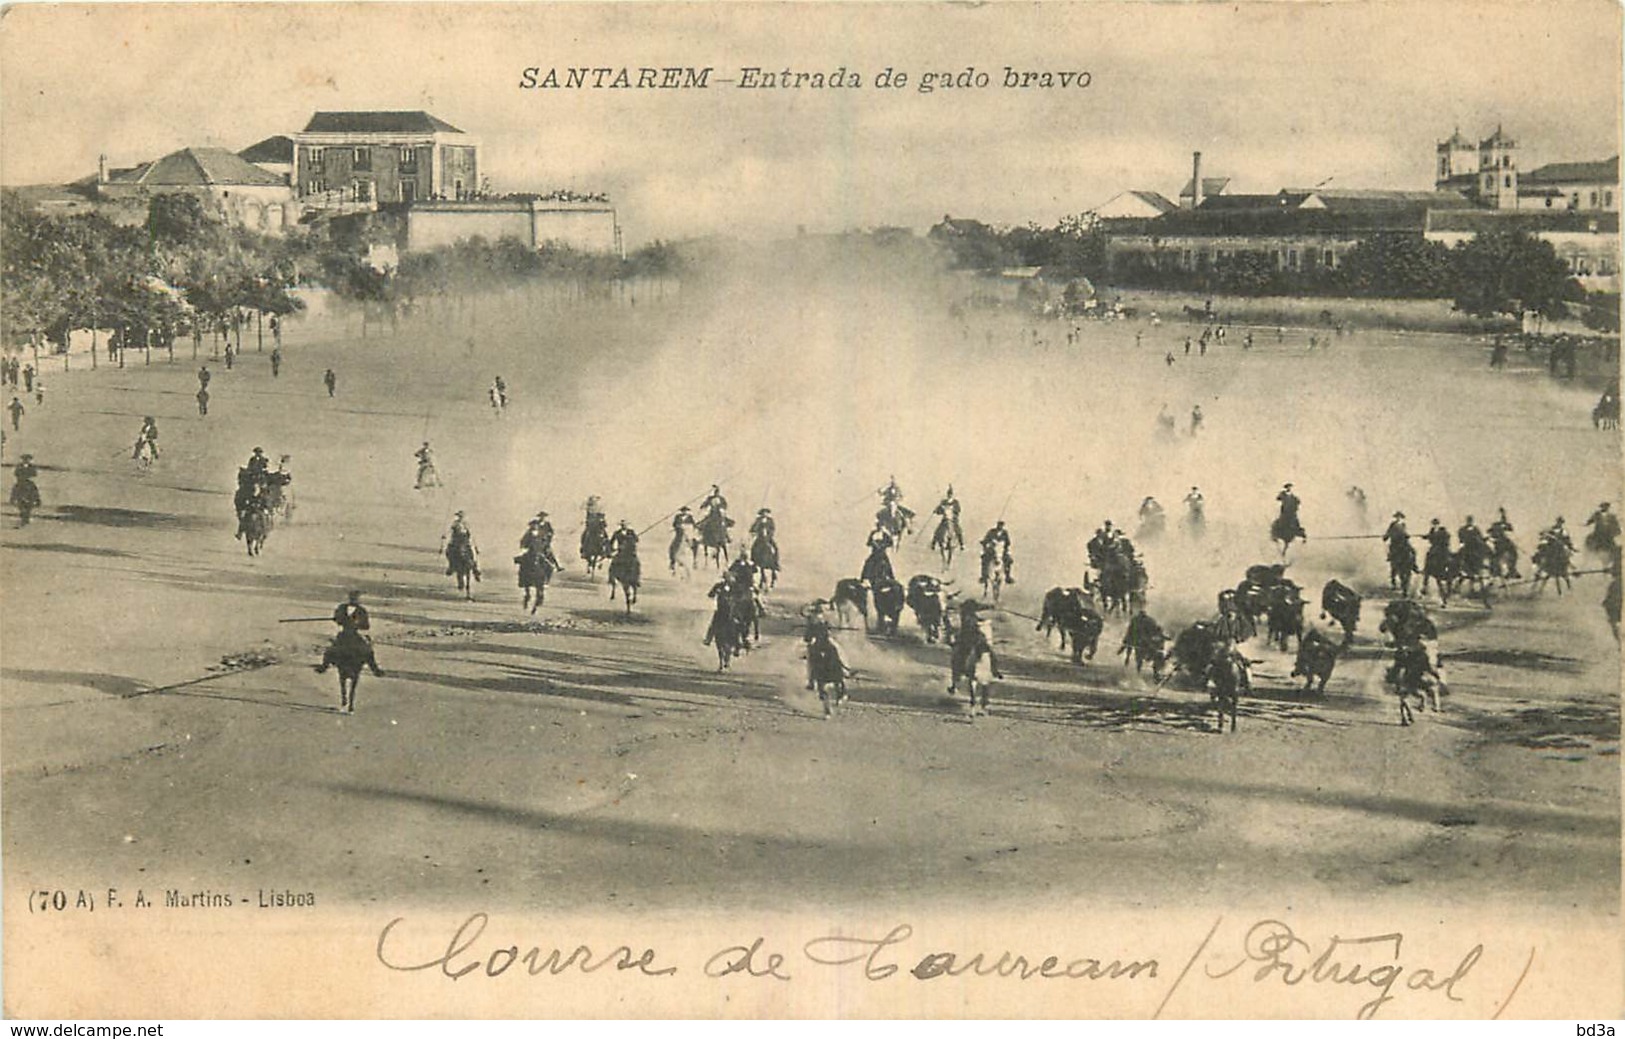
(811,510)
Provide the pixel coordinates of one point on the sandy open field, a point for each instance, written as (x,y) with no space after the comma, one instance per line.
(582,758)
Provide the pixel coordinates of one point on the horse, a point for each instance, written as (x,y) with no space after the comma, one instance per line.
(747,611)
(1415,672)
(1286,529)
(1317,656)
(972,660)
(946,539)
(1342,604)
(349,653)
(824,669)
(145,453)
(278,499)
(992,572)
(256,524)
(535,571)
(727,631)
(683,543)
(1551,561)
(895,519)
(714,536)
(626,571)
(26,498)
(764,552)
(594,543)
(927,597)
(1401,565)
(462,564)
(1230,680)
(1068,610)
(1503,559)
(1441,567)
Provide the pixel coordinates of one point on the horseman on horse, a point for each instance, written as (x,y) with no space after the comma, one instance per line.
(996,553)
(713,528)
(1474,554)
(1503,553)
(1100,546)
(893,514)
(1195,511)
(25,494)
(624,567)
(462,555)
(684,536)
(1604,536)
(948,535)
(973,657)
(350,649)
(1287,527)
(1552,556)
(1152,520)
(1401,554)
(427,476)
(877,569)
(764,545)
(594,535)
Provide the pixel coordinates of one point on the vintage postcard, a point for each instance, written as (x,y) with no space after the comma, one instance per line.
(932,510)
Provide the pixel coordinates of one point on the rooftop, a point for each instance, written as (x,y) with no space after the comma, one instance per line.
(278,148)
(1603,171)
(1210,186)
(1476,221)
(377,122)
(191,167)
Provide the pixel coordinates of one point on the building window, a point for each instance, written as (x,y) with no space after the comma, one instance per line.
(361,159)
(1329,259)
(1507,180)
(409,191)
(1593,200)
(316,187)
(1292,258)
(315,157)
(409,158)
(361,191)
(1608,200)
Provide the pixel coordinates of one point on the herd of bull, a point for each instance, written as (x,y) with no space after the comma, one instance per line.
(1203,655)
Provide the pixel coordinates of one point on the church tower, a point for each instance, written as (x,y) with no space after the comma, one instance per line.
(1457,167)
(1498,171)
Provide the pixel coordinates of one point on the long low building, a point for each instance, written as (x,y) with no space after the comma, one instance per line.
(1302,230)
(588,226)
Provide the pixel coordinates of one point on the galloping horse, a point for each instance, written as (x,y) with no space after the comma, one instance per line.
(1286,529)
(714,536)
(764,552)
(945,539)
(594,542)
(1401,565)
(728,630)
(256,524)
(824,669)
(461,562)
(349,653)
(895,519)
(1551,561)
(992,572)
(683,544)
(626,571)
(535,571)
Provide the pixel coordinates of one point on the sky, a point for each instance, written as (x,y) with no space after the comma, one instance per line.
(1273,94)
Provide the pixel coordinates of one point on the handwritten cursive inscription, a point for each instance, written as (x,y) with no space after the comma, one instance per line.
(458,962)
(1372,961)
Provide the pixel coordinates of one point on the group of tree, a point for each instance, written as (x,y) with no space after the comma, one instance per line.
(1075,247)
(184,269)
(1490,274)
(181,270)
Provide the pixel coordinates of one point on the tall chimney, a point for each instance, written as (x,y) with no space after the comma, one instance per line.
(1196,179)
(101,169)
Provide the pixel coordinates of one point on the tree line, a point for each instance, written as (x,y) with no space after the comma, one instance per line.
(185,271)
